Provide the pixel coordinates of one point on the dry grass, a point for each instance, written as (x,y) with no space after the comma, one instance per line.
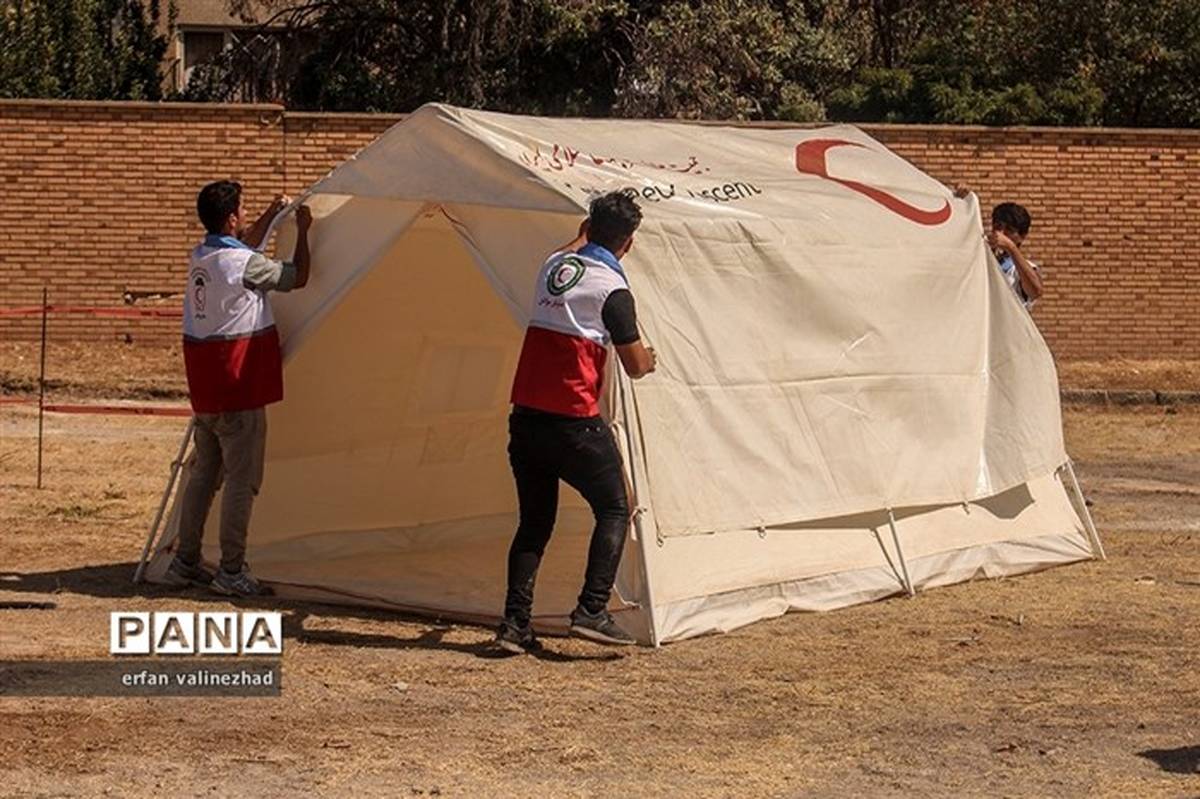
(109,370)
(128,371)
(1076,681)
(1121,373)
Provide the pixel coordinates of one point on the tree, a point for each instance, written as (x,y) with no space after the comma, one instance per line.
(1146,58)
(1003,62)
(731,59)
(533,56)
(992,62)
(83,49)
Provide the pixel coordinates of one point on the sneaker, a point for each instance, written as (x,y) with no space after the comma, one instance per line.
(599,627)
(241,584)
(515,639)
(183,575)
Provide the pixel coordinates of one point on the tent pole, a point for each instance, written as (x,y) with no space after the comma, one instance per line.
(162,505)
(908,586)
(888,556)
(638,527)
(1093,536)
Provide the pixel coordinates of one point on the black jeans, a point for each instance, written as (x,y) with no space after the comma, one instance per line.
(543,449)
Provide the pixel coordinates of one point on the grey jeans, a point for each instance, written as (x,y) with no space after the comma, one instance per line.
(230,447)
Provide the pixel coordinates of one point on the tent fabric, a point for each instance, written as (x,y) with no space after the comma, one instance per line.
(834,340)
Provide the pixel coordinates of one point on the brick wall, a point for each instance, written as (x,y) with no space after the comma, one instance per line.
(98,200)
(1116,226)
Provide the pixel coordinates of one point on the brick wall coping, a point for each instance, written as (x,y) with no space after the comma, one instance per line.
(348,115)
(1043,130)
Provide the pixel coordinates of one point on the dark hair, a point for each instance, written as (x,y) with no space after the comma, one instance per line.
(1013,216)
(612,218)
(216,202)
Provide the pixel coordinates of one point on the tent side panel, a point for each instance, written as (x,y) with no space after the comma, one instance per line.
(724,612)
(717,582)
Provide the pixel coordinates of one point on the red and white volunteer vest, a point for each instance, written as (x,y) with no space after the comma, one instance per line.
(230,345)
(566,344)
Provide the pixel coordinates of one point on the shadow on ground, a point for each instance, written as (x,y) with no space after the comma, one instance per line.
(1182,760)
(115,581)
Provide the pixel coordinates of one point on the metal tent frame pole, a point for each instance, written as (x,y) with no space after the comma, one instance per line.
(176,465)
(1084,514)
(908,584)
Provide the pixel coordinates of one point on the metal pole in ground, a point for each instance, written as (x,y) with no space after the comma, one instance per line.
(908,584)
(42,384)
(176,465)
(1085,515)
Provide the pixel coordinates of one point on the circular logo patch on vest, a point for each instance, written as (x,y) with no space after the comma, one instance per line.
(564,276)
(199,289)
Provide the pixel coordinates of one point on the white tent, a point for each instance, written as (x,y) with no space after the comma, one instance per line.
(850,403)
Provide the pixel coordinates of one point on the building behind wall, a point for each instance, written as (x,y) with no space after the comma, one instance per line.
(256,39)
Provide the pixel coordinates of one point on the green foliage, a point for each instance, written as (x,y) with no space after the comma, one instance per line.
(730,59)
(1007,62)
(82,49)
(990,62)
(533,56)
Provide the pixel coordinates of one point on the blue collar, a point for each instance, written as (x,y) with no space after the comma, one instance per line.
(225,242)
(596,252)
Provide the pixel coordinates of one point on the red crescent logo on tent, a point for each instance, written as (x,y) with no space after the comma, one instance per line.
(810,159)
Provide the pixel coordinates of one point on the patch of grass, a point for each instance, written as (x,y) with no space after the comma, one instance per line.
(75,511)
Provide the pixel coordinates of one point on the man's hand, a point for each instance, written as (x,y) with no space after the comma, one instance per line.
(280,202)
(960,191)
(577,243)
(256,234)
(637,359)
(302,258)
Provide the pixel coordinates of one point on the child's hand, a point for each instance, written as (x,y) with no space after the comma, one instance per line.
(1001,241)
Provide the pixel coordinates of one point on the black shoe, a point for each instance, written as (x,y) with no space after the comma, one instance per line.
(515,639)
(599,627)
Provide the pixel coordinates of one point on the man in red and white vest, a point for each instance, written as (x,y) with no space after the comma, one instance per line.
(582,308)
(234,370)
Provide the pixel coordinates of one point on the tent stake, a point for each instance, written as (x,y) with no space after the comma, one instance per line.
(908,586)
(162,505)
(1093,536)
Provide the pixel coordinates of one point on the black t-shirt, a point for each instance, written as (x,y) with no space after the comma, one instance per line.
(620,317)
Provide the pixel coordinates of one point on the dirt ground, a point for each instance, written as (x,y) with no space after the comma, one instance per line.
(1081,680)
